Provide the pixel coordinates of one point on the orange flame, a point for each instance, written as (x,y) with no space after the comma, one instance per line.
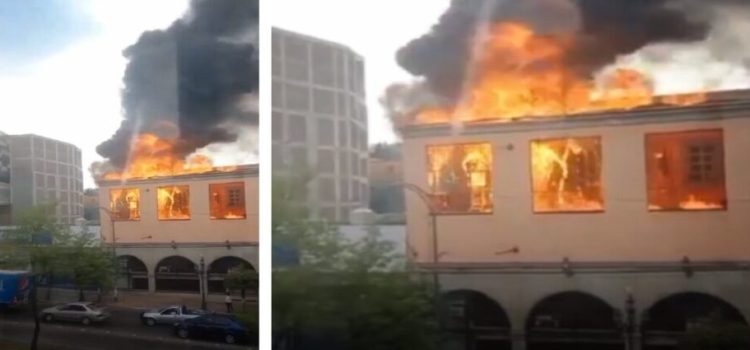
(522,74)
(152,156)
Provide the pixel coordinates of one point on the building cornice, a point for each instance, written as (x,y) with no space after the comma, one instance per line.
(243,171)
(716,108)
(587,267)
(177,245)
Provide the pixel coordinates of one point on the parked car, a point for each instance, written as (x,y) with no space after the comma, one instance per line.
(213,326)
(84,313)
(172,314)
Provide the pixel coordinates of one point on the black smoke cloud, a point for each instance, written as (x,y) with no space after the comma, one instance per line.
(193,76)
(603,30)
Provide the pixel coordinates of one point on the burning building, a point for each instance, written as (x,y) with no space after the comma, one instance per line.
(162,226)
(567,200)
(176,206)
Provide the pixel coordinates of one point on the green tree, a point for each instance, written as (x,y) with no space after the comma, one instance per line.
(354,294)
(87,264)
(243,279)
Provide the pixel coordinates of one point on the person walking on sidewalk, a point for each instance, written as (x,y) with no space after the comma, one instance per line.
(228,302)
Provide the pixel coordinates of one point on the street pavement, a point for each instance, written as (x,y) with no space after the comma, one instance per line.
(123,331)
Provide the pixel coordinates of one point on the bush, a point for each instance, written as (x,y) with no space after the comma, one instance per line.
(717,336)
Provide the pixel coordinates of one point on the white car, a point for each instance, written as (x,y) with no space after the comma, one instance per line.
(169,315)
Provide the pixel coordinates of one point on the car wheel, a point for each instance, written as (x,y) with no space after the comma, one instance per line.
(48,317)
(183,333)
(150,322)
(229,339)
(85,321)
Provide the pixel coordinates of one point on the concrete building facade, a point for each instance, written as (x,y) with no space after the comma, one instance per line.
(45,171)
(182,233)
(602,231)
(320,121)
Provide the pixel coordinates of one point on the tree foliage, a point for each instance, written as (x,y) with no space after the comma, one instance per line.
(344,294)
(717,335)
(50,250)
(243,279)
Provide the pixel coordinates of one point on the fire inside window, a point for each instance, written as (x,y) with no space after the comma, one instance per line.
(566,175)
(174,202)
(228,200)
(125,203)
(460,177)
(686,171)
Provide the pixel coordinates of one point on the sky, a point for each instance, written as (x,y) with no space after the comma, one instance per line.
(61,65)
(374,29)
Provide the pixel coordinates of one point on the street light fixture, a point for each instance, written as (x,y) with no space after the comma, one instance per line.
(426,198)
(203,283)
(115,294)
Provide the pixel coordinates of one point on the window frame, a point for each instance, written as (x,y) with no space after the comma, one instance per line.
(430,193)
(112,209)
(228,186)
(531,142)
(189,205)
(686,143)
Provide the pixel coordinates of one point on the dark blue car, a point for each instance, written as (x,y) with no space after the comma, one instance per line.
(213,326)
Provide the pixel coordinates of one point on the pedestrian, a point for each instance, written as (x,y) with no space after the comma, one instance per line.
(228,301)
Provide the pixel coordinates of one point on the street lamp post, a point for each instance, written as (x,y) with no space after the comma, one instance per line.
(115,294)
(203,283)
(629,320)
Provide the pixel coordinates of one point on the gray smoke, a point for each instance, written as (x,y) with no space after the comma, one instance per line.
(603,31)
(194,76)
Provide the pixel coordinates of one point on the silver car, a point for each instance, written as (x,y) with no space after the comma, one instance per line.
(169,315)
(84,313)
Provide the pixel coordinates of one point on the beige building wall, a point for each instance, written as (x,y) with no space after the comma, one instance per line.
(625,231)
(200,228)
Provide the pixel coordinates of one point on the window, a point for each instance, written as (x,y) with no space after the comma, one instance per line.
(566,175)
(174,202)
(125,203)
(460,177)
(686,171)
(228,200)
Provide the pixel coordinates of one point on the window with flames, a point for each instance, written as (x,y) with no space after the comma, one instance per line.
(173,202)
(228,201)
(686,170)
(566,175)
(460,177)
(125,203)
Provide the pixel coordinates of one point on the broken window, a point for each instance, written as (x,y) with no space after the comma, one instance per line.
(686,171)
(174,202)
(228,200)
(460,177)
(125,203)
(566,175)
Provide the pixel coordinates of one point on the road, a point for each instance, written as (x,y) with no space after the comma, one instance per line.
(123,331)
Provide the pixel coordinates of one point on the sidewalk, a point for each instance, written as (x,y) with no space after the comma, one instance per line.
(144,300)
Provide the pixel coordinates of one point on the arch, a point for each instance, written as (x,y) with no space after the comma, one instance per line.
(132,273)
(178,274)
(677,312)
(473,320)
(573,320)
(218,269)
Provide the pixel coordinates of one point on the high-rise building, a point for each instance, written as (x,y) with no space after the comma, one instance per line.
(45,171)
(320,121)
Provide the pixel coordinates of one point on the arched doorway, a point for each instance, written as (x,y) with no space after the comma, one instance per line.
(132,273)
(219,268)
(666,321)
(473,321)
(177,274)
(573,320)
